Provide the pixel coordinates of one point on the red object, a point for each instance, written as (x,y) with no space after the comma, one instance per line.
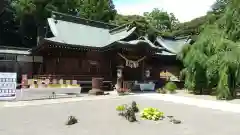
(24,80)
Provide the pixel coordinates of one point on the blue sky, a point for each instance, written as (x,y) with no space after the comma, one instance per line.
(184,10)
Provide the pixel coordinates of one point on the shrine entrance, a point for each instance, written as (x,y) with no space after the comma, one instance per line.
(133,69)
(133,74)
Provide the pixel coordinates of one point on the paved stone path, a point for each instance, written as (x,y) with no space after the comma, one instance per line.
(98,117)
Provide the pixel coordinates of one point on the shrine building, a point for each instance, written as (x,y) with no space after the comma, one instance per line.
(80,49)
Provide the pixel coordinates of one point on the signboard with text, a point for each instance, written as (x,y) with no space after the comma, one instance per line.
(8,83)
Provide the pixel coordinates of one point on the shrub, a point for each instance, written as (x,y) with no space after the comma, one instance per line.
(162,91)
(130,115)
(128,111)
(121,109)
(171,87)
(151,114)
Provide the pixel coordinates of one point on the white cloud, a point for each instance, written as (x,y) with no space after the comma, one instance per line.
(184,10)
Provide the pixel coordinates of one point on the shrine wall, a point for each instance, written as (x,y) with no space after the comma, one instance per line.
(88,64)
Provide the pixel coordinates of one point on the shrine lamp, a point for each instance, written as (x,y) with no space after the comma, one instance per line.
(147,73)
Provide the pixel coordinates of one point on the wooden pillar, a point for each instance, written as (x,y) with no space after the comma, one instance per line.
(33,67)
(143,69)
(110,64)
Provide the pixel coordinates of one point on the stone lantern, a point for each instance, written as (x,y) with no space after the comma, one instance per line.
(147,74)
(119,77)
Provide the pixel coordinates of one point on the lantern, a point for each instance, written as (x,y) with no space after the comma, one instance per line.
(147,73)
(119,73)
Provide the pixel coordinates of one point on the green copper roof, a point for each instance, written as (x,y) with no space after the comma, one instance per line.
(173,46)
(69,30)
(84,35)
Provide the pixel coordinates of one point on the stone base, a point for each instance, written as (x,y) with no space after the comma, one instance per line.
(95,92)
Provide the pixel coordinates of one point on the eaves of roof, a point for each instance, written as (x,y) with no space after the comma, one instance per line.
(14,50)
(84,21)
(173,46)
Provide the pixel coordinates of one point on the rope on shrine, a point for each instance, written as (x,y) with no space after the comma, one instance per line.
(131,63)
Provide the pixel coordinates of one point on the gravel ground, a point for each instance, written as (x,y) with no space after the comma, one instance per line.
(40,94)
(98,117)
(206,97)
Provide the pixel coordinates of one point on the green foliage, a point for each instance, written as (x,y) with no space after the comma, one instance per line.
(162,91)
(128,111)
(100,10)
(170,86)
(154,23)
(125,19)
(213,61)
(152,114)
(192,27)
(30,15)
(130,115)
(121,108)
(159,19)
(219,6)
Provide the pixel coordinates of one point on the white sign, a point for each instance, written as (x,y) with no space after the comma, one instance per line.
(8,83)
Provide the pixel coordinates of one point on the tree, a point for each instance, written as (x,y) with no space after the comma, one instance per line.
(124,19)
(1,7)
(174,21)
(213,61)
(100,10)
(8,27)
(159,19)
(219,6)
(32,14)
